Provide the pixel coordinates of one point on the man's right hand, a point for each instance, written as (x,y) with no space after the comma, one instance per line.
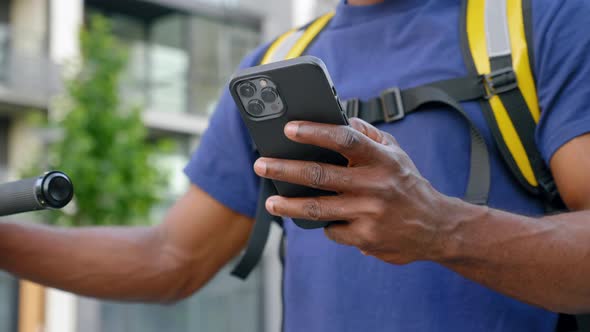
(161,263)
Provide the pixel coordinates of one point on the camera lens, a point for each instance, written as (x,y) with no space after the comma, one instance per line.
(269,95)
(247,89)
(255,107)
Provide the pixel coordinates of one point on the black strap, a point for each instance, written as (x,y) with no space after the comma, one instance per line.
(478,186)
(527,16)
(525,126)
(259,234)
(459,89)
(464,88)
(567,323)
(394,104)
(583,322)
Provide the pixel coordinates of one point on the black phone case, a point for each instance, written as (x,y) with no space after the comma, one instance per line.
(308,94)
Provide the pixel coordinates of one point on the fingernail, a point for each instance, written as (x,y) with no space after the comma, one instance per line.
(260,167)
(270,204)
(291,129)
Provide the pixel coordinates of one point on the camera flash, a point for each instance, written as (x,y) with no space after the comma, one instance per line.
(263,83)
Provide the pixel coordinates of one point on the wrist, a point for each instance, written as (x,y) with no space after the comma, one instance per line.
(454,218)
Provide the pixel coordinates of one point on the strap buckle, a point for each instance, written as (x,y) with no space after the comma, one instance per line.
(351,108)
(392,105)
(499,81)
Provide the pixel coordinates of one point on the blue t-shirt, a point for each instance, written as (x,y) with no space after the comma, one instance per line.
(405,43)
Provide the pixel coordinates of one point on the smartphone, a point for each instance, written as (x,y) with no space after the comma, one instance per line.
(271,95)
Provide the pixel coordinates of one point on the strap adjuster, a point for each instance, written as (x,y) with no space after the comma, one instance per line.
(352,108)
(499,81)
(392,105)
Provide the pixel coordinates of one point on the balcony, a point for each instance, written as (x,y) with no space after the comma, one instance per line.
(27,80)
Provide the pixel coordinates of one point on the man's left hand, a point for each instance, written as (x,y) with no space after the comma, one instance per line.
(389,210)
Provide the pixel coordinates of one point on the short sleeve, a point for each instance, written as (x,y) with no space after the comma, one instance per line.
(562,67)
(222,164)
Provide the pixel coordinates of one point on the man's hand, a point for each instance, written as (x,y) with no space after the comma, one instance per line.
(393,213)
(390,210)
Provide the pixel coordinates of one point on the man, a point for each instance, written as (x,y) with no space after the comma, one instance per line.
(413,256)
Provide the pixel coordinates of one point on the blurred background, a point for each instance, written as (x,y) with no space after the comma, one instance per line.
(179,55)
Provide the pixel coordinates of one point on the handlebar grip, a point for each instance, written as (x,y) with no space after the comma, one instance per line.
(52,190)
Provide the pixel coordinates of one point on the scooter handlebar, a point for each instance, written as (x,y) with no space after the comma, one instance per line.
(52,190)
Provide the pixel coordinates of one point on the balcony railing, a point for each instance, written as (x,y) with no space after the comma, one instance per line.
(26,79)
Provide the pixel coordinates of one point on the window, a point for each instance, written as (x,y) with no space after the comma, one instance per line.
(179,62)
(4,37)
(169,64)
(217,48)
(8,303)
(133,32)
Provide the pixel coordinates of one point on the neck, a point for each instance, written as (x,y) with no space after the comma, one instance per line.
(364,2)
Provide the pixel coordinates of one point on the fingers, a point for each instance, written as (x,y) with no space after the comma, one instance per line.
(311,174)
(324,208)
(372,132)
(341,233)
(354,141)
(345,140)
(367,129)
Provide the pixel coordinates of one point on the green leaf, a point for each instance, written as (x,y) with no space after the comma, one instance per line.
(104,148)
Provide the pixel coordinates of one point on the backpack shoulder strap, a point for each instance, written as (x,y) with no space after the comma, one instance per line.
(295,42)
(291,44)
(259,234)
(495,45)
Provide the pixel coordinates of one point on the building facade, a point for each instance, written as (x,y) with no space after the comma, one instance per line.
(181,54)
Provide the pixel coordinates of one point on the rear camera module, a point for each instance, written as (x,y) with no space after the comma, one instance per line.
(269,95)
(247,89)
(255,107)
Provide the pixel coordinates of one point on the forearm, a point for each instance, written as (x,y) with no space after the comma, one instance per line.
(121,263)
(543,261)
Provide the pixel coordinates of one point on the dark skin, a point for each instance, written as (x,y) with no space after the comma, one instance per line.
(398,217)
(162,263)
(394,214)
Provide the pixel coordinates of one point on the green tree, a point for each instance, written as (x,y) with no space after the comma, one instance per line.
(104,146)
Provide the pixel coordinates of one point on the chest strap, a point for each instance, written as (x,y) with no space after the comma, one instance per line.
(394,104)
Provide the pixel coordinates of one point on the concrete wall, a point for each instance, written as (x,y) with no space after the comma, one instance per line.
(24,146)
(306,10)
(65,17)
(28,21)
(277,16)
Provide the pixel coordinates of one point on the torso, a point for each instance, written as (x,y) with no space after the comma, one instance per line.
(329,287)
